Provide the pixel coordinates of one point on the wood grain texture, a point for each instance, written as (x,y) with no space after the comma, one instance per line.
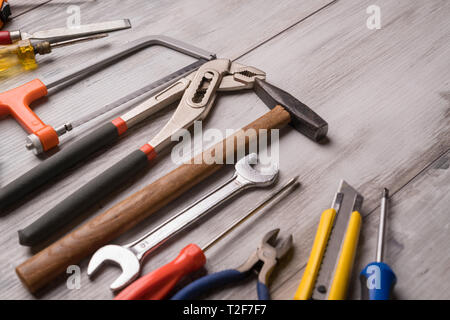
(385,94)
(22,7)
(361,82)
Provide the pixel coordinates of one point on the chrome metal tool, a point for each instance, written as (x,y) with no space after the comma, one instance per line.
(131,256)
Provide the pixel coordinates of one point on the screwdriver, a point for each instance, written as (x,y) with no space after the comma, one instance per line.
(377,278)
(158,283)
(60,34)
(22,55)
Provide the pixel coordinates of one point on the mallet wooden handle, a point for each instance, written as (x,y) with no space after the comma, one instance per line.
(53,260)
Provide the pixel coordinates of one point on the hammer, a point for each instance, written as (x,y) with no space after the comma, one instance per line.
(43,267)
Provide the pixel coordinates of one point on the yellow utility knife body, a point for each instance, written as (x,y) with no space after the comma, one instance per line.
(330,263)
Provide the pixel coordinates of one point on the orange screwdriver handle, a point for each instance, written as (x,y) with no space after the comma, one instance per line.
(157,284)
(16,102)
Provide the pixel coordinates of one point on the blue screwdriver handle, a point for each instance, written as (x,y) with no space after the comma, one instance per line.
(207,283)
(377,281)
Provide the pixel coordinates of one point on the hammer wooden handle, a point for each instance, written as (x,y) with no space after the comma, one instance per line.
(53,260)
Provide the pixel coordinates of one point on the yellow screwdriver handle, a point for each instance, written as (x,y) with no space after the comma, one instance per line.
(19,56)
(341,279)
(306,286)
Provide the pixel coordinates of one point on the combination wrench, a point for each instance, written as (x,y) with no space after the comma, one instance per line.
(131,256)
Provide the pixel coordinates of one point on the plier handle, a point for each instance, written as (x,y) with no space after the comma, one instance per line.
(265,258)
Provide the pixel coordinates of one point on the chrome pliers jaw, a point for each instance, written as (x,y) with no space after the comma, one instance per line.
(241,77)
(199,91)
(267,256)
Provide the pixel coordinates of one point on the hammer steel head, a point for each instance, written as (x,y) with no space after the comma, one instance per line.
(244,169)
(122,256)
(303,118)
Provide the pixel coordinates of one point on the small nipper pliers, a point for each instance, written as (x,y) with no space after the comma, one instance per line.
(264,259)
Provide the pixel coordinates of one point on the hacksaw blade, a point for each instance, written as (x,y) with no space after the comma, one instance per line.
(150,89)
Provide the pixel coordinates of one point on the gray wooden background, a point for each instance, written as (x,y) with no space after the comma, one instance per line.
(385,94)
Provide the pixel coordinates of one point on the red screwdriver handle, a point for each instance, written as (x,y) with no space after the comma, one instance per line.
(5,37)
(158,283)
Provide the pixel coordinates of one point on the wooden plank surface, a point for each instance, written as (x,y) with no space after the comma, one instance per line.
(384,93)
(364,90)
(19,8)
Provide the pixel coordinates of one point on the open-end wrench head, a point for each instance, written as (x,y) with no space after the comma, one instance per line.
(121,256)
(258,177)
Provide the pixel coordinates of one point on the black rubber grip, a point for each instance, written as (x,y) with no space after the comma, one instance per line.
(57,164)
(82,199)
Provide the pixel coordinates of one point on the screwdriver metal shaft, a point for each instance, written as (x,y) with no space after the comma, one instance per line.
(291,182)
(377,278)
(382,226)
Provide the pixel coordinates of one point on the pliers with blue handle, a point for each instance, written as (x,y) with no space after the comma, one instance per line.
(264,259)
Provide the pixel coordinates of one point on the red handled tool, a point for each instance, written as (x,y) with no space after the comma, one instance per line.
(157,284)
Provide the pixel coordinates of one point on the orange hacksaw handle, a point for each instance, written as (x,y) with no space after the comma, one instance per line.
(157,284)
(16,102)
